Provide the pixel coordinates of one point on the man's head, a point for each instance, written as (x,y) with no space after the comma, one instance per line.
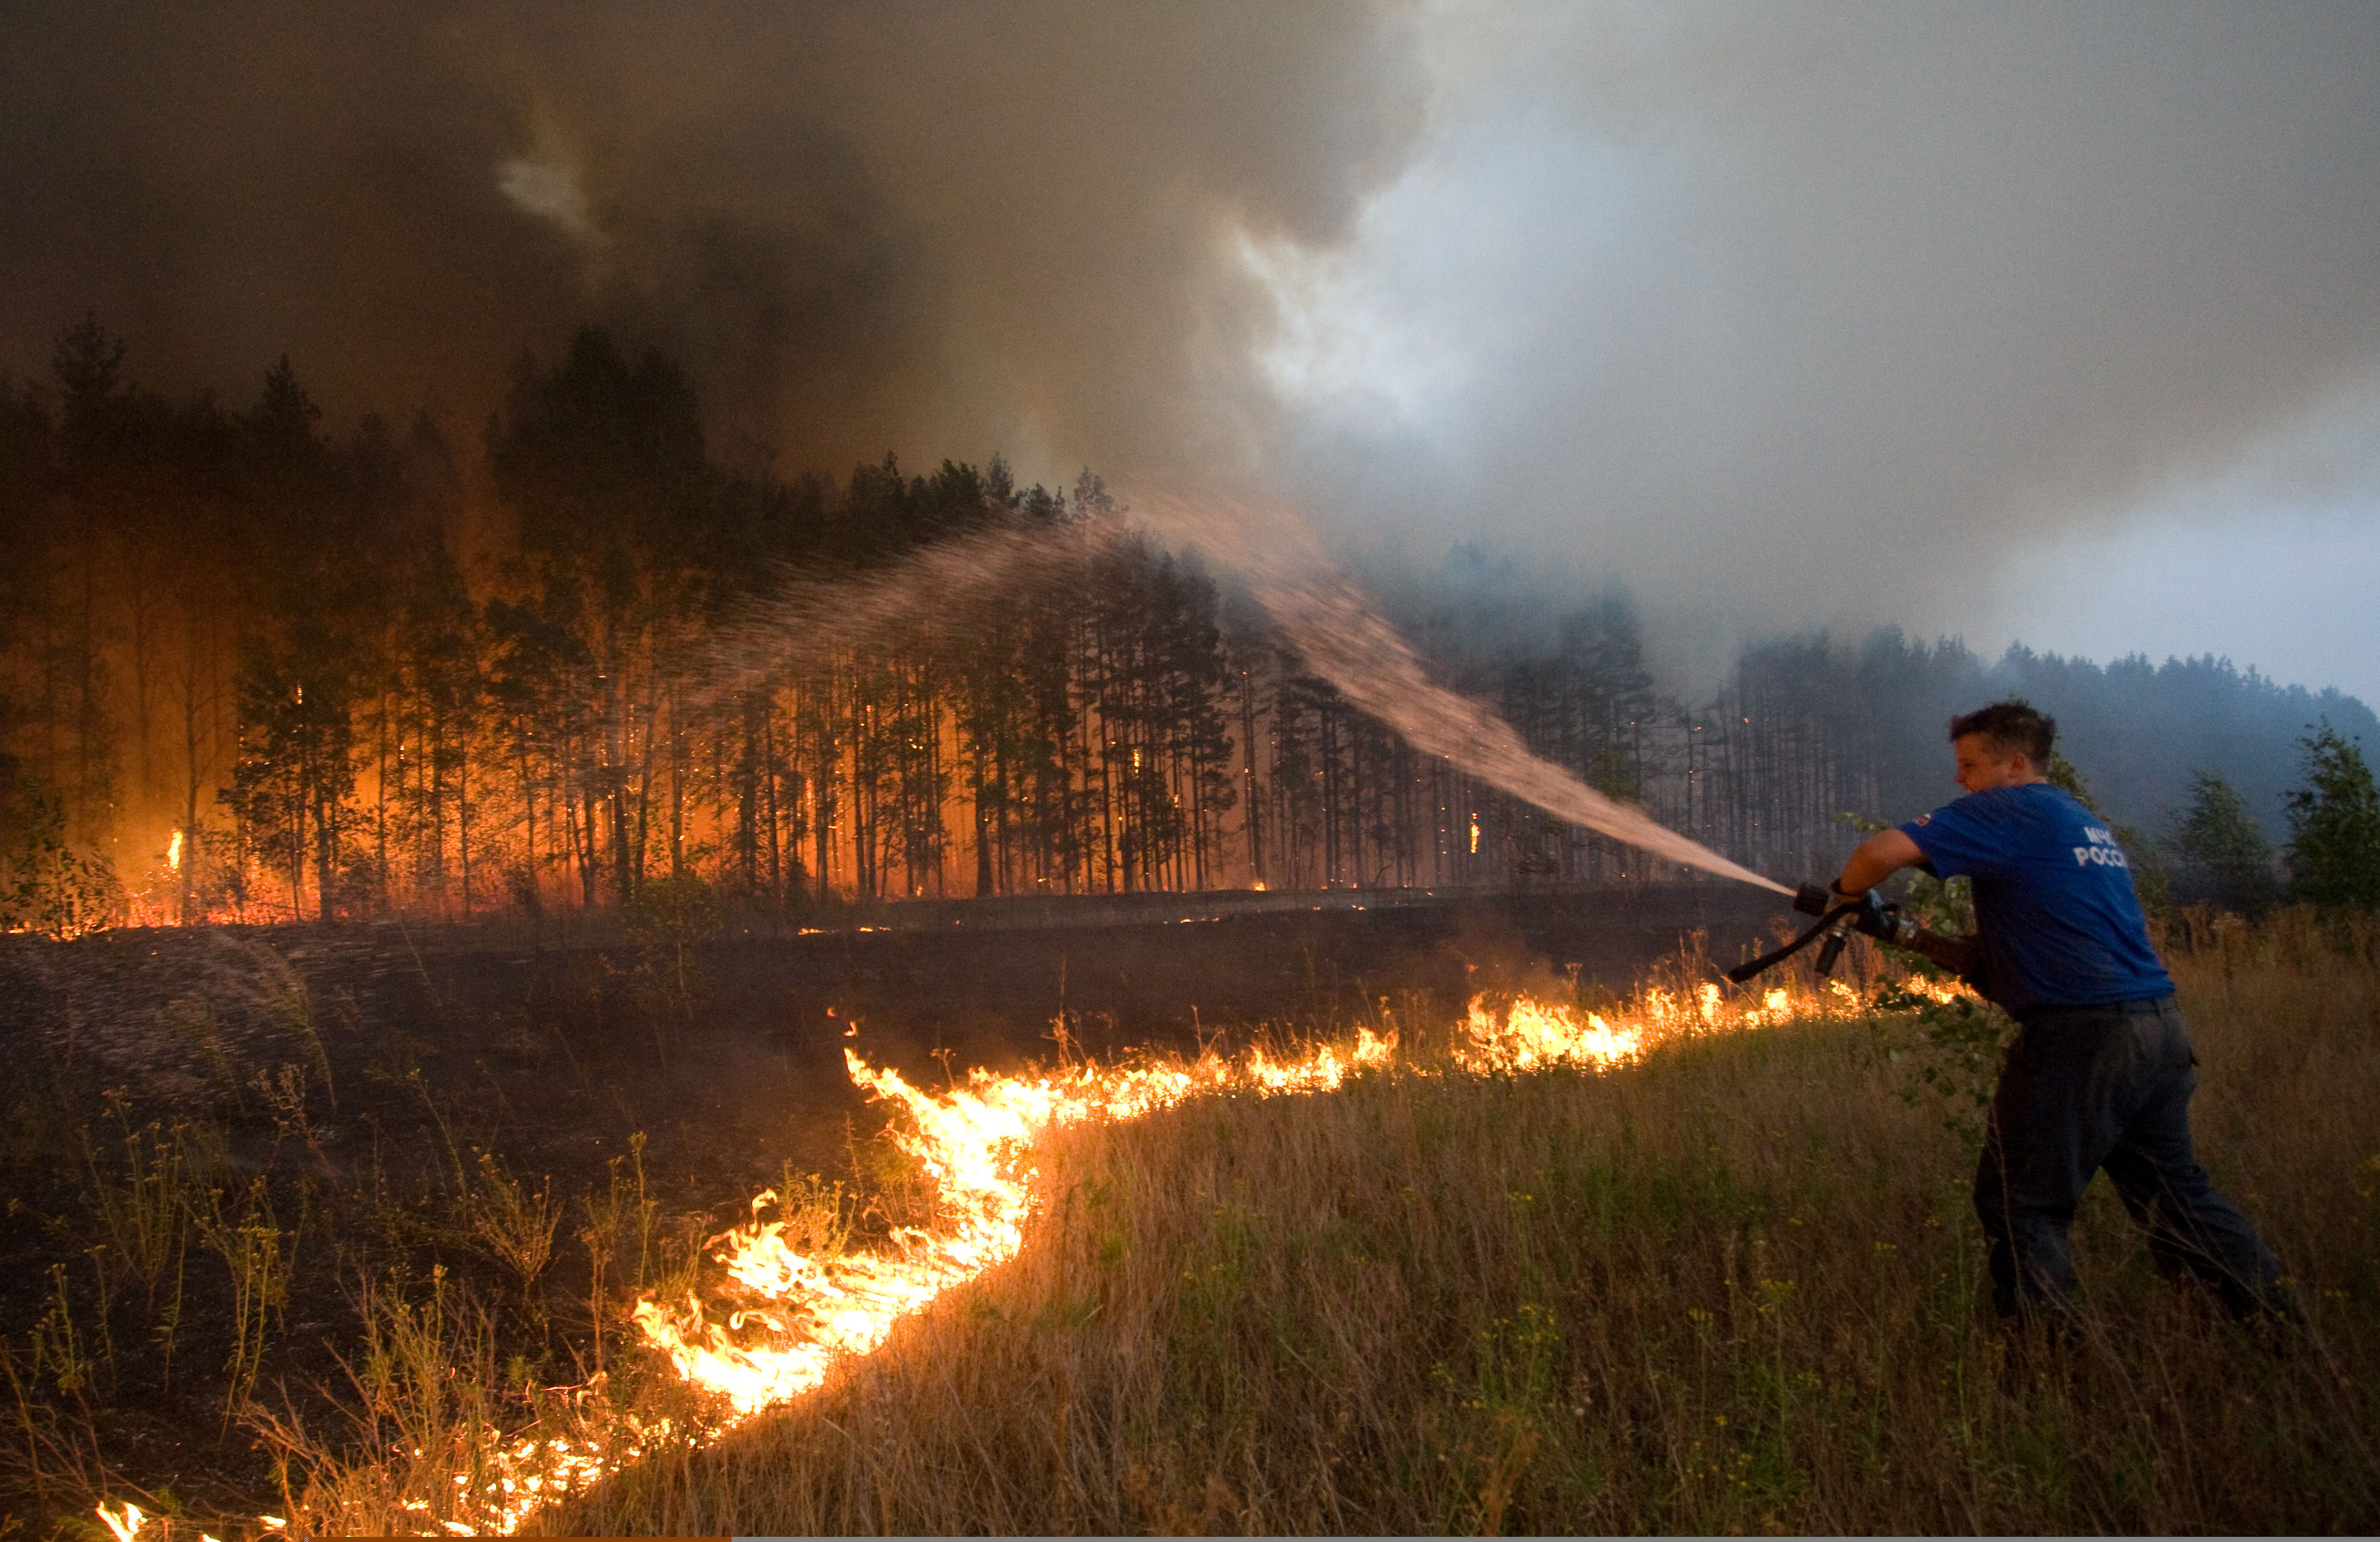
(2004,745)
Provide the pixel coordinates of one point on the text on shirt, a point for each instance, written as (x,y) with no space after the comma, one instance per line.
(2102,851)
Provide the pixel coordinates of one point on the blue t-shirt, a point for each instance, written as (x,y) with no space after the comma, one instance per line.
(2054,904)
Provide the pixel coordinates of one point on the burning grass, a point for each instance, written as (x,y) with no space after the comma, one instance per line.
(1732,1286)
(1556,1268)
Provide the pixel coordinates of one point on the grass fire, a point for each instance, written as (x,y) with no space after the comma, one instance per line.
(1543,1257)
(1365,767)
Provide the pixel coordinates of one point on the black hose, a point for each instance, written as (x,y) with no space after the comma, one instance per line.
(1743,972)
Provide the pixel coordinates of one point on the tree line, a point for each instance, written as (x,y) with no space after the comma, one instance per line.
(251,670)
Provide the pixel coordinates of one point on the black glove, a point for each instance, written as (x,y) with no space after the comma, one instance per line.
(1884,922)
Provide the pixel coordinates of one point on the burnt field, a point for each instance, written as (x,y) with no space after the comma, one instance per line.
(220,1144)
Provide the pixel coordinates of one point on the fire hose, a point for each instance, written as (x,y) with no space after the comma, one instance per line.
(1870,916)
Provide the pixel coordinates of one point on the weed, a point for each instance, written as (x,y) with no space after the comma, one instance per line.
(147,1205)
(818,1215)
(456,1171)
(623,1209)
(425,1403)
(669,919)
(289,1002)
(55,1454)
(198,1026)
(59,1349)
(285,1095)
(643,1212)
(1949,1054)
(509,1222)
(260,1258)
(442,1434)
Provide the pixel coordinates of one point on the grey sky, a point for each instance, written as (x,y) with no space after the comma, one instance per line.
(2051,321)
(2055,323)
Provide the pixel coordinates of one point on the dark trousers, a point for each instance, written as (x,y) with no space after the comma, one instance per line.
(2086,1087)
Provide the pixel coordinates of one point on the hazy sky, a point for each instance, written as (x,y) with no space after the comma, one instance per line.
(2059,323)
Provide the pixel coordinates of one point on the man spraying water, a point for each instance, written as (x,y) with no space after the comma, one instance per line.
(2101,1075)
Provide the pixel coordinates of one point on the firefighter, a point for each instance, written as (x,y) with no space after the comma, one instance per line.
(2101,1072)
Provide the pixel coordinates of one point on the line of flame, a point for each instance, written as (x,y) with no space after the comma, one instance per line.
(781,1317)
(976,1142)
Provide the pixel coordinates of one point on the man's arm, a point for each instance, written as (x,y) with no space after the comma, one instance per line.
(1878,858)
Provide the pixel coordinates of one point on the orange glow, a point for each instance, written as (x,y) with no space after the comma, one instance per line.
(789,1315)
(774,1319)
(1534,1034)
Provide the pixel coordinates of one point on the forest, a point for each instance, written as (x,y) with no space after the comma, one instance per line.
(251,670)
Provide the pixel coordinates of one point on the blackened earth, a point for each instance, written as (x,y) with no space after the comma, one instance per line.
(351,1076)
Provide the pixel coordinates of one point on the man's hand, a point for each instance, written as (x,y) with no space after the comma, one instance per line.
(1875,918)
(1878,858)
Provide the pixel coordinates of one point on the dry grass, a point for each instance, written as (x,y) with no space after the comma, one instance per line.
(1736,1287)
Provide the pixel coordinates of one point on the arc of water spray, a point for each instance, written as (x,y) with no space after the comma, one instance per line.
(808,621)
(1321,612)
(1340,636)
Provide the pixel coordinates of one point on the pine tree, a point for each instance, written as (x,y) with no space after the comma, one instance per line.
(2223,853)
(2334,824)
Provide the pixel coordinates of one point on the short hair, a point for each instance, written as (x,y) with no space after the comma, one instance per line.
(2011,727)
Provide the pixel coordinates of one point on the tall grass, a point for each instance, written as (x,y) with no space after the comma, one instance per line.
(1733,1287)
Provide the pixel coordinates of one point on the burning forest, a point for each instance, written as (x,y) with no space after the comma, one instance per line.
(501,917)
(790,768)
(279,648)
(253,675)
(640,848)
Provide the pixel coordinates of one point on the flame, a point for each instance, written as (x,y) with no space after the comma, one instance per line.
(792,1313)
(777,1318)
(173,853)
(529,1473)
(1534,1034)
(784,1315)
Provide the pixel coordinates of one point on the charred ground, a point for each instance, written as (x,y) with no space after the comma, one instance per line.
(218,1139)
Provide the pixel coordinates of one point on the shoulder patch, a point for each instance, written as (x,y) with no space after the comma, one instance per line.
(1924,819)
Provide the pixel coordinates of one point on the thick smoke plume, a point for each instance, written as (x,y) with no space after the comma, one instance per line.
(1806,313)
(1826,313)
(941,229)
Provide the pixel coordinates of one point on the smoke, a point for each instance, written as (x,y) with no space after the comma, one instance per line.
(1826,313)
(1778,314)
(945,230)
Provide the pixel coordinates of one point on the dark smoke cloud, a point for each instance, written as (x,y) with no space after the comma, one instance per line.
(1817,312)
(938,228)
